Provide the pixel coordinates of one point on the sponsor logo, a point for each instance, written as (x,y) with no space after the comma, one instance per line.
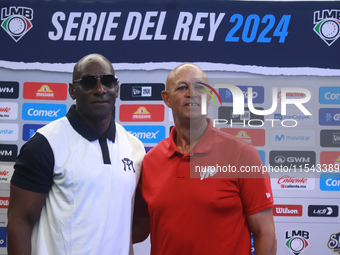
(132,113)
(138,91)
(4,202)
(257,94)
(299,138)
(8,152)
(330,158)
(297,240)
(292,95)
(323,210)
(336,138)
(330,138)
(135,91)
(327,25)
(42,112)
(329,116)
(292,182)
(45,91)
(3,237)
(29,130)
(6,173)
(147,134)
(334,243)
(9,111)
(294,114)
(9,131)
(256,137)
(329,95)
(226,113)
(9,89)
(287,210)
(330,182)
(16,21)
(292,158)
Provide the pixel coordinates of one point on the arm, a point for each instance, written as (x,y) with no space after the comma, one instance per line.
(262,226)
(23,211)
(140,228)
(141,218)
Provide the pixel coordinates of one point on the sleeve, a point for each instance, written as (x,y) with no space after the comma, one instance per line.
(33,169)
(255,188)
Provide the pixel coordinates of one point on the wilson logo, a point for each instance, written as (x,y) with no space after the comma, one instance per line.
(287,210)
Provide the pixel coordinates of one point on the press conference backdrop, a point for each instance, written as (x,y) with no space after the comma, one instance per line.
(262,45)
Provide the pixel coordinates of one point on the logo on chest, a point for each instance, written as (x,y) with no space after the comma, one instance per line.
(128,164)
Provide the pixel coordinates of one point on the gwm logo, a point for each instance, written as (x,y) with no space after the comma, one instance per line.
(327,25)
(16,21)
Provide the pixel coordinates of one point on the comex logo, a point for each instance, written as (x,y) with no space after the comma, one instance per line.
(16,21)
(327,25)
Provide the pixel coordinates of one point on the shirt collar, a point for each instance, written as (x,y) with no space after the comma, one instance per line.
(204,145)
(85,130)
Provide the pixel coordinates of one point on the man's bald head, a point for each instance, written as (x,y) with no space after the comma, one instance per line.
(184,68)
(89,59)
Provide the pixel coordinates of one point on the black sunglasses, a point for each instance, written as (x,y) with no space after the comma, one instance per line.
(89,82)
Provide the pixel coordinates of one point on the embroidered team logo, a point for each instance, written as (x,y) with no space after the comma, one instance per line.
(128,164)
(207,172)
(16,21)
(327,25)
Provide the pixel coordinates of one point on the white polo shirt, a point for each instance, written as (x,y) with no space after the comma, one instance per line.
(90,185)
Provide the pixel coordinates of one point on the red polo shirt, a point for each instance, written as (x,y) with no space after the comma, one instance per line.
(194,215)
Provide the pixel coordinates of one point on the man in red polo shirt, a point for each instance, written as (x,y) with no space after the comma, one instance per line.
(201,211)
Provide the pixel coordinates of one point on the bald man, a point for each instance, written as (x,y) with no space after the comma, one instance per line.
(72,191)
(210,213)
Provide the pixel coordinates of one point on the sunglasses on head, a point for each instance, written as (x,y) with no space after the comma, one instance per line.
(89,82)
